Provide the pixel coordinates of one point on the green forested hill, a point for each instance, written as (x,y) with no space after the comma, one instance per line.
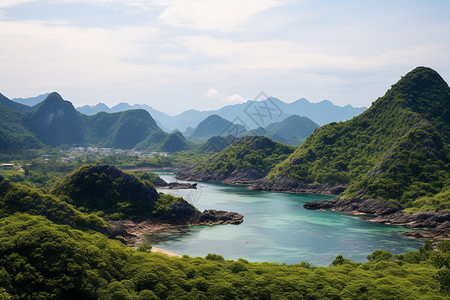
(55,122)
(215,125)
(415,111)
(292,131)
(16,198)
(248,158)
(20,108)
(108,191)
(13,135)
(121,130)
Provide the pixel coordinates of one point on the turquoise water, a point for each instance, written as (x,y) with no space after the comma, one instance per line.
(277,228)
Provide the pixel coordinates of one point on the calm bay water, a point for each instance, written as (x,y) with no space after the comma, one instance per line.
(277,228)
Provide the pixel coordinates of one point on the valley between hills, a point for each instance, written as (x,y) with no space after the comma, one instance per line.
(64,223)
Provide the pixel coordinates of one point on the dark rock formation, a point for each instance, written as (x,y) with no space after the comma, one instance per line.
(211,216)
(245,176)
(286,184)
(176,185)
(435,224)
(188,214)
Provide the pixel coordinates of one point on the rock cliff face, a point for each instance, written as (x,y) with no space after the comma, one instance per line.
(286,184)
(435,224)
(243,176)
(188,214)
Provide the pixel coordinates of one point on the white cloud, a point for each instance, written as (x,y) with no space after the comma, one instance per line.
(235,99)
(212,93)
(214,14)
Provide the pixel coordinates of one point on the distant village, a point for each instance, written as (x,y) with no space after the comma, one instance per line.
(72,153)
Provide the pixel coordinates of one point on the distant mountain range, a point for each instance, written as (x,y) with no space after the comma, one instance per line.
(32,101)
(292,131)
(251,114)
(55,122)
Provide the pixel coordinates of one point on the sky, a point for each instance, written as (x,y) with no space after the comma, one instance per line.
(176,55)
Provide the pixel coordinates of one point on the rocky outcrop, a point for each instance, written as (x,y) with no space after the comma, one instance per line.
(130,232)
(187,214)
(286,184)
(177,185)
(243,176)
(434,224)
(211,216)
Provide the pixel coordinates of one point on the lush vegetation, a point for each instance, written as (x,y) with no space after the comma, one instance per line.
(111,193)
(13,135)
(414,173)
(292,131)
(215,125)
(16,198)
(339,153)
(248,153)
(39,259)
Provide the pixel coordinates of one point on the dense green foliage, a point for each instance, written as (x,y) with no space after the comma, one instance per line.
(17,198)
(175,142)
(121,130)
(39,259)
(111,193)
(250,152)
(13,135)
(18,107)
(292,131)
(215,125)
(178,159)
(339,153)
(216,144)
(415,170)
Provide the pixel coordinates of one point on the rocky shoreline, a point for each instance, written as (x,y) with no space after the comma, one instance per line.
(247,176)
(133,232)
(286,184)
(433,225)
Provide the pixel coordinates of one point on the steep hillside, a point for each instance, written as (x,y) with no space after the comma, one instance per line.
(13,135)
(13,105)
(15,198)
(216,126)
(402,140)
(116,194)
(121,130)
(292,131)
(247,159)
(216,144)
(174,142)
(55,121)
